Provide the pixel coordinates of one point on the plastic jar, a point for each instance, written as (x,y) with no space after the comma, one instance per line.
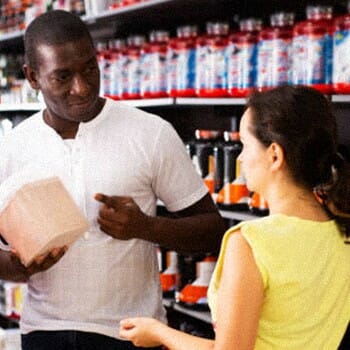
(312,49)
(274,52)
(103,60)
(241,58)
(341,46)
(213,73)
(182,62)
(154,65)
(203,159)
(132,67)
(115,69)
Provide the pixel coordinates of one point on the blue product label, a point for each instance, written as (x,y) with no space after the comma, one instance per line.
(147,65)
(312,59)
(201,66)
(216,73)
(341,66)
(182,69)
(241,65)
(132,75)
(273,62)
(116,77)
(154,72)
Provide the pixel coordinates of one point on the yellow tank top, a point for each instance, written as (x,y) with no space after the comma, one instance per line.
(305,267)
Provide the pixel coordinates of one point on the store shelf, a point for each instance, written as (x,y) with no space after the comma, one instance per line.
(11,36)
(152,102)
(341,98)
(199,315)
(13,107)
(163,11)
(125,11)
(238,215)
(159,102)
(211,101)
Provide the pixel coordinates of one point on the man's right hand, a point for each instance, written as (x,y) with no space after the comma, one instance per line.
(40,263)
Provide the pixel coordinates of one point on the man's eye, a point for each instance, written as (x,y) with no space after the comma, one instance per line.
(61,77)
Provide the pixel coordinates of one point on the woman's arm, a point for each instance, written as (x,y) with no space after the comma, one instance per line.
(240,297)
(240,300)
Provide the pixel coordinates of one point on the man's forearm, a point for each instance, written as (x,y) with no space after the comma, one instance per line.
(198,233)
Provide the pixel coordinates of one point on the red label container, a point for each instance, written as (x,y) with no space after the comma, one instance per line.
(154,65)
(341,46)
(274,52)
(213,82)
(181,62)
(115,68)
(241,58)
(131,70)
(312,50)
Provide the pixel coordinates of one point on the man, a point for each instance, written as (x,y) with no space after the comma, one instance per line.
(119,161)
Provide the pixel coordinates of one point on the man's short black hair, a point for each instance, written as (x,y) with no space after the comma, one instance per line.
(53,28)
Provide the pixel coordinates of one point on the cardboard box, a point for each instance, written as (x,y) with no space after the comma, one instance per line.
(39,217)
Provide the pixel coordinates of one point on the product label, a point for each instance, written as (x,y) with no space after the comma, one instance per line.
(131,75)
(312,59)
(215,75)
(273,62)
(104,66)
(241,63)
(116,76)
(181,69)
(154,72)
(341,66)
(201,62)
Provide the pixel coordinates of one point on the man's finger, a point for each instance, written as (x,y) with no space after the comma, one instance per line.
(114,202)
(110,201)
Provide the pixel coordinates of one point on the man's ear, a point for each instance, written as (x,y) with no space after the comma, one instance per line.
(31,76)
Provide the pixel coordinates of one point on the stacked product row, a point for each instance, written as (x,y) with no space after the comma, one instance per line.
(16,15)
(224,62)
(214,154)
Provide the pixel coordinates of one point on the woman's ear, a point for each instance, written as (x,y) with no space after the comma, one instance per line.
(276,156)
(31,76)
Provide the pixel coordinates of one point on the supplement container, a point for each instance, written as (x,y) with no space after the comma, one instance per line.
(154,65)
(312,50)
(131,70)
(203,154)
(103,60)
(182,62)
(341,54)
(241,58)
(234,192)
(274,52)
(212,70)
(115,68)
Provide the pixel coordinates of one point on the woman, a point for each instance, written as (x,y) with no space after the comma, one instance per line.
(283,281)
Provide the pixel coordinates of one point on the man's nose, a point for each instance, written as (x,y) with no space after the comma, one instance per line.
(79,86)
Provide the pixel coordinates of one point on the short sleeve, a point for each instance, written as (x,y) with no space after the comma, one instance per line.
(252,238)
(176,182)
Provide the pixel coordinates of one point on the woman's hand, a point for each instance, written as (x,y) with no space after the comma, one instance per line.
(142,331)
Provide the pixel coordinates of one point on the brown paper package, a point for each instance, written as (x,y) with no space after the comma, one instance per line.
(41,216)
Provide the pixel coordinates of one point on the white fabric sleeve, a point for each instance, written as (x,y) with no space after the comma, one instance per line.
(176,182)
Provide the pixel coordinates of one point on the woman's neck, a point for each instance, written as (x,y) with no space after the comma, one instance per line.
(293,200)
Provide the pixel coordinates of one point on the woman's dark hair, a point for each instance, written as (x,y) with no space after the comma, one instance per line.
(300,120)
(55,27)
